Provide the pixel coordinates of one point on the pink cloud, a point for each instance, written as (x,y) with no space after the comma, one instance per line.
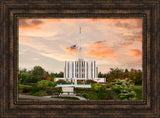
(125,23)
(30,23)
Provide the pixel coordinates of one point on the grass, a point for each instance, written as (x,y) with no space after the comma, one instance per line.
(138,90)
(95,95)
(71,98)
(39,93)
(21,87)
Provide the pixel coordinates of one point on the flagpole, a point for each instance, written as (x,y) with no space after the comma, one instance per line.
(76,49)
(79,47)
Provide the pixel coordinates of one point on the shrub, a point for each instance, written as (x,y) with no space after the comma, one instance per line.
(90,81)
(57,89)
(78,94)
(108,85)
(34,89)
(44,83)
(49,91)
(54,84)
(56,93)
(79,81)
(85,95)
(31,84)
(96,86)
(101,92)
(124,89)
(61,82)
(25,90)
(83,89)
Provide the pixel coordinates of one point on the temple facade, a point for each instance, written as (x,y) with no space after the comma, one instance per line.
(80,69)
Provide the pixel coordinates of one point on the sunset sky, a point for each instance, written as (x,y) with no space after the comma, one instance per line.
(110,42)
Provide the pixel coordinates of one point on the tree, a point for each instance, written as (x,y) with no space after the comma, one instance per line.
(38,70)
(60,74)
(43,84)
(135,76)
(23,76)
(100,75)
(126,71)
(115,74)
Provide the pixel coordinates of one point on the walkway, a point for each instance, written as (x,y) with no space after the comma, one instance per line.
(80,98)
(112,93)
(31,97)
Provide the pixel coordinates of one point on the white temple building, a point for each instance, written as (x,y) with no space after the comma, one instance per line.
(80,69)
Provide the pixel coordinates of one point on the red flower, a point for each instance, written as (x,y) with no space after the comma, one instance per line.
(106,98)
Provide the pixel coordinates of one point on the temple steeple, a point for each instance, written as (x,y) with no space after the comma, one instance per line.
(79,46)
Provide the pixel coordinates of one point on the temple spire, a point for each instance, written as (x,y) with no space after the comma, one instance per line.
(79,45)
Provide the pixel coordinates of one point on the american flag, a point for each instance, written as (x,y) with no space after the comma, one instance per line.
(73,47)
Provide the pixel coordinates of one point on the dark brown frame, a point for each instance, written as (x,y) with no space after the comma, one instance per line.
(12,10)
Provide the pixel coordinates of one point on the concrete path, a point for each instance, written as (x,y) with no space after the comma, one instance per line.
(112,93)
(31,97)
(80,98)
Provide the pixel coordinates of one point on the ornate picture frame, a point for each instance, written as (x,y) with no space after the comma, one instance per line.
(12,10)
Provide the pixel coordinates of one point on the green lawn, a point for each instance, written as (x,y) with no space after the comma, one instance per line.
(138,90)
(95,95)
(71,98)
(21,87)
(39,93)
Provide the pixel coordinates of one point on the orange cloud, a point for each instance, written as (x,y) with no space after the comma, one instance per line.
(97,44)
(140,40)
(136,53)
(98,49)
(30,23)
(100,53)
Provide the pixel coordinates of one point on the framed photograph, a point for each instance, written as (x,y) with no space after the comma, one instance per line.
(79,58)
